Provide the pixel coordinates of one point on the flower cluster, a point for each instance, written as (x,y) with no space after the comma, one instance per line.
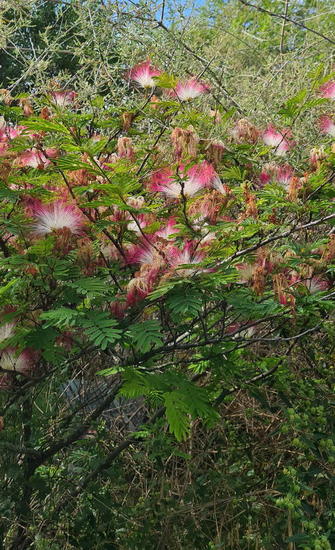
(143,217)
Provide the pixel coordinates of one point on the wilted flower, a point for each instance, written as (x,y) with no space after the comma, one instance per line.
(33,158)
(215,151)
(26,106)
(185,142)
(125,148)
(316,284)
(245,132)
(316,156)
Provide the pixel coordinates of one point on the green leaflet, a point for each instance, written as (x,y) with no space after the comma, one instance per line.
(145,335)
(100,329)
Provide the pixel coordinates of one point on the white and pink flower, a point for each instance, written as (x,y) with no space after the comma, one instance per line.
(168,231)
(144,74)
(23,362)
(280,141)
(63,98)
(198,177)
(57,215)
(327,125)
(327,90)
(284,175)
(142,253)
(187,255)
(189,89)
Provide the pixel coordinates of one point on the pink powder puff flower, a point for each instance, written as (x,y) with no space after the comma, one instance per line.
(327,90)
(142,284)
(273,173)
(63,98)
(168,231)
(264,178)
(199,177)
(23,362)
(187,255)
(145,253)
(141,222)
(57,215)
(143,74)
(33,159)
(204,175)
(278,140)
(189,89)
(327,125)
(284,175)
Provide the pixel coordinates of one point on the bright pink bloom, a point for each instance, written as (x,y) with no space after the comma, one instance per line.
(189,89)
(199,176)
(204,175)
(57,215)
(142,253)
(141,285)
(264,178)
(327,90)
(327,125)
(63,98)
(143,74)
(189,254)
(280,141)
